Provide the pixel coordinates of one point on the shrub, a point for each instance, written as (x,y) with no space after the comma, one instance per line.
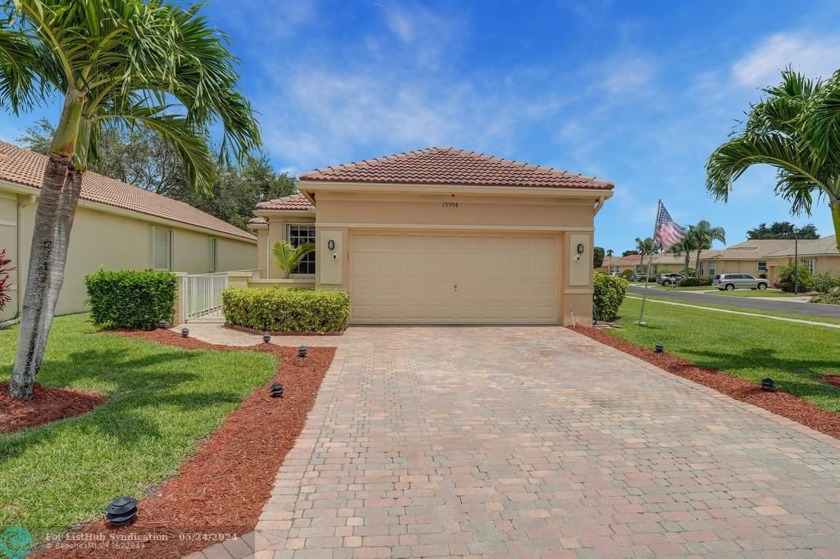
(831,297)
(287,310)
(627,274)
(608,294)
(823,283)
(695,282)
(131,298)
(786,280)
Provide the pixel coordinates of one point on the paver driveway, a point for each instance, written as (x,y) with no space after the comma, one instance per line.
(525,442)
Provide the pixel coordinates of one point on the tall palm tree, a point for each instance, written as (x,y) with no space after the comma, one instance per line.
(645,247)
(610,253)
(115,63)
(796,129)
(684,248)
(703,236)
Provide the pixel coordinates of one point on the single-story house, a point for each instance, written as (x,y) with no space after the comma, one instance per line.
(819,255)
(750,257)
(661,263)
(117,226)
(444,236)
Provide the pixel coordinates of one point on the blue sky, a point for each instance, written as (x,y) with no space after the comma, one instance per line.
(638,92)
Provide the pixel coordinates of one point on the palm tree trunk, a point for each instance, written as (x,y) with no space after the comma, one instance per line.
(835,218)
(32,337)
(697,262)
(36,316)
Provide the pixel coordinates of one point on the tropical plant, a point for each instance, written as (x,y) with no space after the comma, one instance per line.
(643,248)
(684,248)
(121,63)
(703,236)
(796,129)
(790,280)
(288,257)
(5,284)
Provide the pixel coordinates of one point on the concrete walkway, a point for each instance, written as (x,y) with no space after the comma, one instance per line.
(529,442)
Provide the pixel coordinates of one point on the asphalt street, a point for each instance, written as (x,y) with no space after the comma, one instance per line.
(779,304)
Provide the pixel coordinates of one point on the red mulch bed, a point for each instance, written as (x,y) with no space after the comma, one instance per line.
(45,406)
(780,403)
(222,489)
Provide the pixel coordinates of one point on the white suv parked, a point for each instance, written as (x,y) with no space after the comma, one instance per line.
(733,281)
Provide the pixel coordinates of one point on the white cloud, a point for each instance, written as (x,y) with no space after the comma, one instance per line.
(624,75)
(815,57)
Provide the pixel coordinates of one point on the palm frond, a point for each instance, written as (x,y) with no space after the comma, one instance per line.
(287,257)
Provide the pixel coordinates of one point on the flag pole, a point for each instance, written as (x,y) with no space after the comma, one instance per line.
(650,263)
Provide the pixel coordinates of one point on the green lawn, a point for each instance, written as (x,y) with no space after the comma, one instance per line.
(162,402)
(794,355)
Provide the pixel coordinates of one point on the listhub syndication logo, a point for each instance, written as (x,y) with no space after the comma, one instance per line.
(15,542)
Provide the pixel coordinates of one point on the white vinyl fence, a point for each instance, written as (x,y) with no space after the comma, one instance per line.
(203,296)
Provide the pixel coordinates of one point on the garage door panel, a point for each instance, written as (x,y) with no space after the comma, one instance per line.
(412,278)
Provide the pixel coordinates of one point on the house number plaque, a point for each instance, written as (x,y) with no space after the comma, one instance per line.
(449,205)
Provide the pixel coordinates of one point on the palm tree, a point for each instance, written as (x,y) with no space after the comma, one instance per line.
(115,63)
(796,129)
(685,247)
(645,247)
(704,235)
(610,253)
(288,257)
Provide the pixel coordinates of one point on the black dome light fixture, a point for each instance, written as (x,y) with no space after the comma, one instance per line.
(266,337)
(277,390)
(163,324)
(302,351)
(768,385)
(121,511)
(185,332)
(659,347)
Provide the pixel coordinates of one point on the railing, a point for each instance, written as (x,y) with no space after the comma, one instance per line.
(203,294)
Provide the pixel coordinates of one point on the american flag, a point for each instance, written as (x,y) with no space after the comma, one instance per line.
(667,233)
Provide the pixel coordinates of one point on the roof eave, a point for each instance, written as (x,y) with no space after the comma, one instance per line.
(264,212)
(308,186)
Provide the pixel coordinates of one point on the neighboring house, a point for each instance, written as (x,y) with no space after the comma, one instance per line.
(818,255)
(117,226)
(443,235)
(660,263)
(750,257)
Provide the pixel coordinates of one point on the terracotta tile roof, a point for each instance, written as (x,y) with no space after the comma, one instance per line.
(21,166)
(291,202)
(257,221)
(812,247)
(446,165)
(753,249)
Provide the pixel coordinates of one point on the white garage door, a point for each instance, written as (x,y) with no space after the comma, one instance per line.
(453,279)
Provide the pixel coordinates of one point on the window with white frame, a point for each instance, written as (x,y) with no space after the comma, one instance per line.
(298,235)
(161,249)
(808,263)
(762,267)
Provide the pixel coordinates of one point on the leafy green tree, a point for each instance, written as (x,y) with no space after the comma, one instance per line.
(133,155)
(630,253)
(796,130)
(703,235)
(112,63)
(237,189)
(783,230)
(288,257)
(598,257)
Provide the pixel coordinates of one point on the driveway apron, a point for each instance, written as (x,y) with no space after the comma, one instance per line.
(535,441)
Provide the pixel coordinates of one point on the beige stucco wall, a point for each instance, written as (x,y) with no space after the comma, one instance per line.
(734,267)
(116,241)
(340,214)
(275,231)
(8,242)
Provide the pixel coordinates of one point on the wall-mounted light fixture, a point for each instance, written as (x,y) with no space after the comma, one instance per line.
(580,248)
(331,244)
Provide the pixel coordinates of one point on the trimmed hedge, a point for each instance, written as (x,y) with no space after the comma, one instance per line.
(287,310)
(695,282)
(608,294)
(131,298)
